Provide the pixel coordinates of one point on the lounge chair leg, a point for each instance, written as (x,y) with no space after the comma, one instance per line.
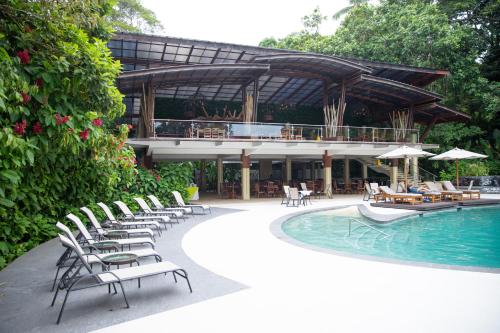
(187,280)
(55,278)
(175,278)
(114,287)
(55,296)
(139,282)
(62,306)
(124,296)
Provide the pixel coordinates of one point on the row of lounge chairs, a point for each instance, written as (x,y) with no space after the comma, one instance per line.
(434,192)
(128,238)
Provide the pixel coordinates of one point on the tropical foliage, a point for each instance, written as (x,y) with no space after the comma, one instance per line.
(59,146)
(461,36)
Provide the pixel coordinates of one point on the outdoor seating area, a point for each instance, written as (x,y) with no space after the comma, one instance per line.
(129,239)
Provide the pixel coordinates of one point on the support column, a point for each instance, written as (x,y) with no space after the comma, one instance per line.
(394,174)
(327,173)
(245,176)
(255,98)
(288,170)
(364,171)
(414,162)
(220,175)
(203,182)
(347,171)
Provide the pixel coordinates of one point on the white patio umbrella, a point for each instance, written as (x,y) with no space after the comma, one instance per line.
(457,154)
(405,152)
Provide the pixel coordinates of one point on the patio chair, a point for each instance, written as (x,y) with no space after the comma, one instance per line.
(257,191)
(104,232)
(207,133)
(74,279)
(119,242)
(93,258)
(150,212)
(285,199)
(159,206)
(128,215)
(295,197)
(306,194)
(449,187)
(180,203)
(129,223)
(411,198)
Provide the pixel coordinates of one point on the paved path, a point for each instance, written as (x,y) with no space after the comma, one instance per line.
(293,289)
(25,289)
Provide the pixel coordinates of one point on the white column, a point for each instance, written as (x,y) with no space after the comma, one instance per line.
(394,175)
(364,171)
(245,176)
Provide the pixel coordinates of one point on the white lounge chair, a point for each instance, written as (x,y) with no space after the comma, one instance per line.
(306,194)
(129,223)
(286,195)
(148,211)
(121,242)
(104,232)
(295,197)
(411,198)
(95,257)
(128,215)
(72,279)
(470,192)
(180,203)
(445,194)
(159,206)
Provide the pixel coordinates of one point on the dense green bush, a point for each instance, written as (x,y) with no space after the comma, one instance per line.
(59,147)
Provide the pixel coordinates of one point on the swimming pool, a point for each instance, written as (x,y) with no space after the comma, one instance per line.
(464,237)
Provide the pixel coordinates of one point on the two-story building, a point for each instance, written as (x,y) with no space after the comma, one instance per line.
(201,100)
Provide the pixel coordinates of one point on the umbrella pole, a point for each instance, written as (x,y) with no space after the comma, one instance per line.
(456,163)
(406,176)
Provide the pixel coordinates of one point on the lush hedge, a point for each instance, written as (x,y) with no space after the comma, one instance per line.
(59,146)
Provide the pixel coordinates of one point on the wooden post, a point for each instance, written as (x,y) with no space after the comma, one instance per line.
(430,125)
(288,170)
(220,175)
(347,171)
(456,164)
(327,172)
(255,98)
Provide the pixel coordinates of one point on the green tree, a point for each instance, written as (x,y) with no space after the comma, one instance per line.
(313,21)
(132,16)
(352,3)
(421,33)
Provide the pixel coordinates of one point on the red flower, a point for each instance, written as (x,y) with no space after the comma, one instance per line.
(20,128)
(37,128)
(24,56)
(130,126)
(97,122)
(158,177)
(61,120)
(26,97)
(84,135)
(39,82)
(28,29)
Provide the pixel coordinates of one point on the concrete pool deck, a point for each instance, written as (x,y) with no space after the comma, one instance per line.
(295,289)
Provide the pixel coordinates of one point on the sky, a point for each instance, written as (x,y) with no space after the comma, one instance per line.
(240,22)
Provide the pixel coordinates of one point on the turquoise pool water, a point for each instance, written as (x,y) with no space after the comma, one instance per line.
(467,237)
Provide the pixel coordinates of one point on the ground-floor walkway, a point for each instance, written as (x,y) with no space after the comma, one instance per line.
(295,289)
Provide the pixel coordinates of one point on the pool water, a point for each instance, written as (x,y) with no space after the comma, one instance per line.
(464,237)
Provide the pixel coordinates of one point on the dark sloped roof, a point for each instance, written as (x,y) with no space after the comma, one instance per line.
(180,68)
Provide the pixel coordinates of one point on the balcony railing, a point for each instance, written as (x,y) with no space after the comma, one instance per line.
(223,130)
